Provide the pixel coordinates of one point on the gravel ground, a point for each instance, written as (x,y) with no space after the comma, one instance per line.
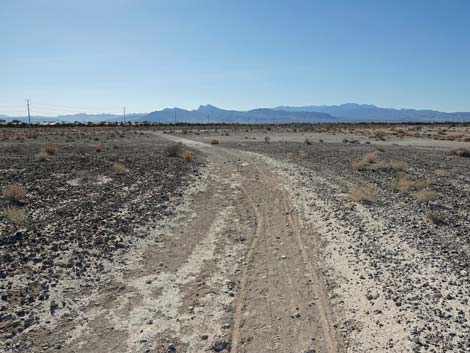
(81,210)
(418,267)
(384,215)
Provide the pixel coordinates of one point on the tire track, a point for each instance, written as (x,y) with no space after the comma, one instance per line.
(273,310)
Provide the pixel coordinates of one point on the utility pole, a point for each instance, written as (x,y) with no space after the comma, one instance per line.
(175,116)
(29,114)
(124,115)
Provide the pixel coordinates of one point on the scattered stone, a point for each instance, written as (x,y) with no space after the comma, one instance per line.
(219,346)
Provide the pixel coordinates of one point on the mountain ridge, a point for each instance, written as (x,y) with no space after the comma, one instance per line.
(344,113)
(370,112)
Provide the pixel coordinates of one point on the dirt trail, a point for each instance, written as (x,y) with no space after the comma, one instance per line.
(235,270)
(281,304)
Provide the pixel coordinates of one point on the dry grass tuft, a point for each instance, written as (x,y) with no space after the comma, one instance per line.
(188,155)
(363,194)
(100,147)
(50,149)
(118,168)
(441,172)
(461,152)
(367,160)
(14,193)
(308,142)
(357,165)
(422,183)
(267,139)
(370,157)
(14,215)
(43,156)
(406,184)
(214,142)
(399,165)
(435,218)
(425,195)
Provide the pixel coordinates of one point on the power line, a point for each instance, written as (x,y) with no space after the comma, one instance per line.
(29,114)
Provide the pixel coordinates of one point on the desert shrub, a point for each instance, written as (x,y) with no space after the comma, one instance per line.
(118,168)
(425,195)
(370,157)
(188,155)
(267,139)
(364,162)
(214,142)
(441,172)
(172,150)
(14,215)
(50,149)
(357,165)
(43,156)
(399,165)
(461,152)
(435,218)
(14,193)
(404,184)
(363,194)
(308,142)
(422,183)
(99,147)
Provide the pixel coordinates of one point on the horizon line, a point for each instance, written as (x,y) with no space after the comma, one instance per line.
(233,109)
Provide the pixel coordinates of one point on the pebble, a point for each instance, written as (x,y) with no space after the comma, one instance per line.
(219,346)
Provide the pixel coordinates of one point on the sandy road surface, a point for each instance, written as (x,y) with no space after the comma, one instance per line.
(235,270)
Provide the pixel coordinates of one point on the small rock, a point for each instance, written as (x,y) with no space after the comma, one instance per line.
(219,346)
(373,295)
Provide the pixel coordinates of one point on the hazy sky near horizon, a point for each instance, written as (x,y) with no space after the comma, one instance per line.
(99,55)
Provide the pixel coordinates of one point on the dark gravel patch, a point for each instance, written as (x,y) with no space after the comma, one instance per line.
(80,212)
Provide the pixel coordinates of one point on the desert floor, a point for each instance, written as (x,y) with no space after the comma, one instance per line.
(262,239)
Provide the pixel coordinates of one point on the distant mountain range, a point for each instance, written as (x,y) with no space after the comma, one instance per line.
(368,112)
(349,112)
(211,114)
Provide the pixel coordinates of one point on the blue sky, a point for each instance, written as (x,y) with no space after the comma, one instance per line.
(99,55)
